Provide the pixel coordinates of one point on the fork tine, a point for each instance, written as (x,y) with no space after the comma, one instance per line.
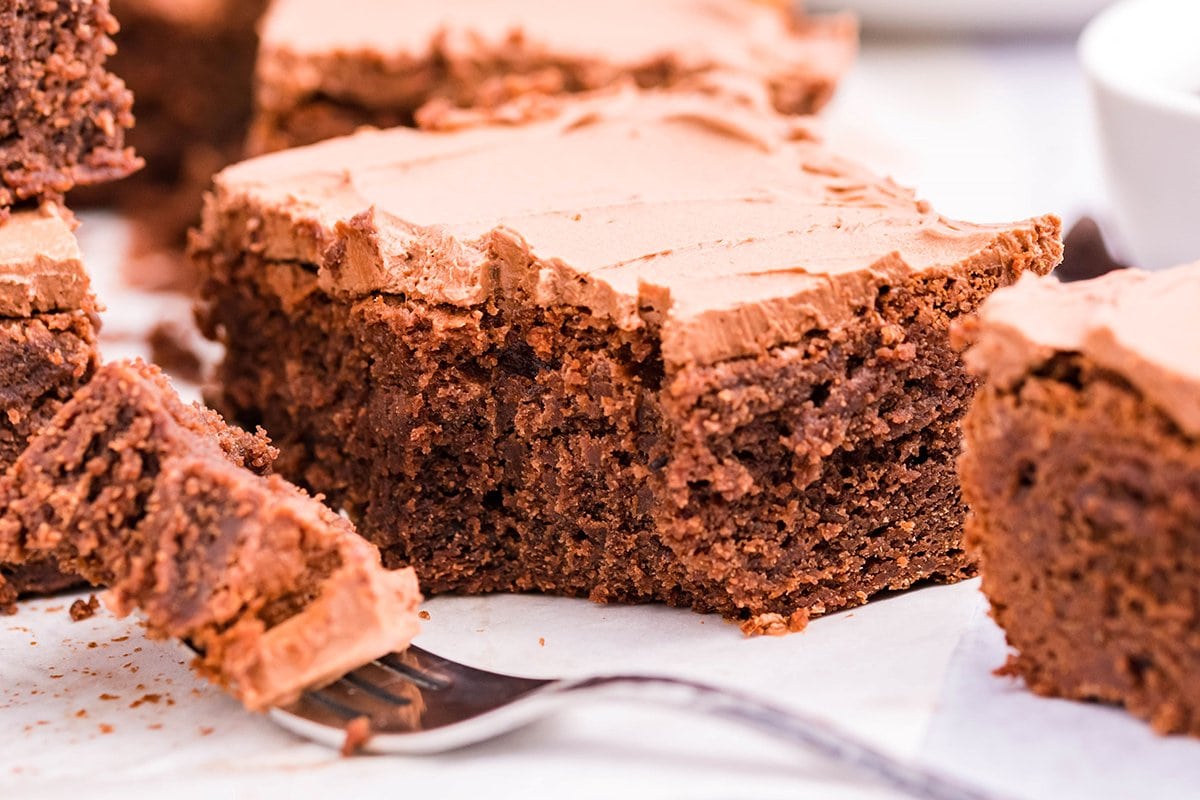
(394,663)
(339,708)
(356,680)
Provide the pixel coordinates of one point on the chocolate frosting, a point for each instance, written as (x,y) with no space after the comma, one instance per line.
(1140,325)
(726,223)
(764,39)
(41,268)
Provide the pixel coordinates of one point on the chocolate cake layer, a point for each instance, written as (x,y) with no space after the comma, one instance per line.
(63,115)
(659,348)
(166,505)
(1082,470)
(47,351)
(326,69)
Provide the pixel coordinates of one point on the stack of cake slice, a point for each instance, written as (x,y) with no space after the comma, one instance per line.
(660,347)
(47,351)
(64,118)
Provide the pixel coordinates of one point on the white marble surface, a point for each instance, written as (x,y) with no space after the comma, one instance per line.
(988,131)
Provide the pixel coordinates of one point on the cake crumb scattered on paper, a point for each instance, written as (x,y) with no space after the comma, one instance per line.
(423,614)
(146,698)
(776,624)
(84,609)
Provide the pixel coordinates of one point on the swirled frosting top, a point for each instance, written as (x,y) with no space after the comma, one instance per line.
(1141,325)
(721,221)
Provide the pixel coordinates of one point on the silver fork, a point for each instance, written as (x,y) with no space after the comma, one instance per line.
(418,703)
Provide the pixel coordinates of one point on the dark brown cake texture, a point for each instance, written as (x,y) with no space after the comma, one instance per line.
(1082,470)
(63,115)
(47,351)
(660,348)
(168,507)
(189,64)
(327,69)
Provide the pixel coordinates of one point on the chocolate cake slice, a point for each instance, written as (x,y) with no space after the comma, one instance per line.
(1082,470)
(166,505)
(63,115)
(326,69)
(662,347)
(47,351)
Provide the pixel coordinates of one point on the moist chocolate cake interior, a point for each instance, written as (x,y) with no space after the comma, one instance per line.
(63,116)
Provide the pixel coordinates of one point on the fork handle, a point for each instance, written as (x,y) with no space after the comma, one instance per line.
(814,734)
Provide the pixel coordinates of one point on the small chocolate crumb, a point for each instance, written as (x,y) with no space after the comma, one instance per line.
(106,728)
(107,696)
(541,641)
(146,698)
(423,614)
(84,609)
(776,624)
(358,733)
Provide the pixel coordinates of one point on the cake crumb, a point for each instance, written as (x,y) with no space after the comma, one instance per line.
(107,696)
(776,624)
(106,728)
(423,614)
(358,733)
(146,698)
(541,641)
(84,609)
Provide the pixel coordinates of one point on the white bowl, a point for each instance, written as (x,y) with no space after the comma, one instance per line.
(1142,58)
(967,16)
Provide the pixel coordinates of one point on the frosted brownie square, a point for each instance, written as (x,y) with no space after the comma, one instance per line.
(47,351)
(326,69)
(168,507)
(661,347)
(1082,470)
(63,115)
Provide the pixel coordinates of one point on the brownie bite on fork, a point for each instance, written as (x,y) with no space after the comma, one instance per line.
(171,510)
